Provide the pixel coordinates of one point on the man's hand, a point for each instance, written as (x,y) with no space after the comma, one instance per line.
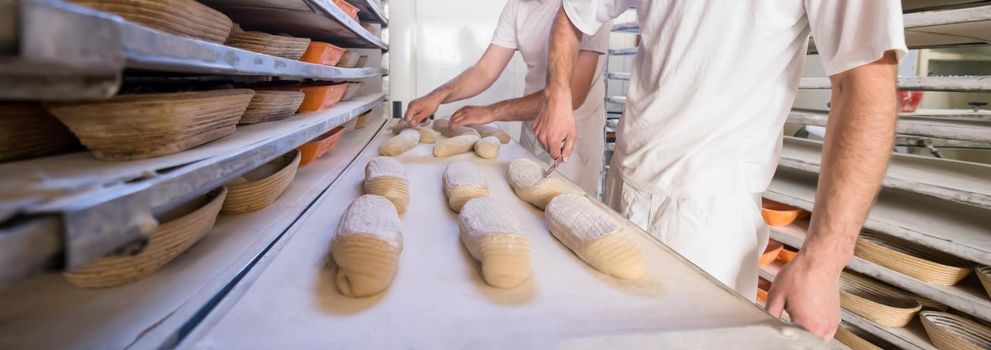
(810,294)
(473,115)
(420,109)
(556,125)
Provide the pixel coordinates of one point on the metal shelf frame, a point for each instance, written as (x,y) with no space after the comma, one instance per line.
(96,220)
(970,130)
(935,83)
(629,51)
(85,55)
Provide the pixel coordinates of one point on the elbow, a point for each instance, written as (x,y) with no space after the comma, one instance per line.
(577,101)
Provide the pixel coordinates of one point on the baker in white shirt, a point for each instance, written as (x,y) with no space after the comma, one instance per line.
(699,141)
(524,26)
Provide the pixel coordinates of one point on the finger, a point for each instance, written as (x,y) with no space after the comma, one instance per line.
(569,146)
(555,143)
(775,304)
(831,332)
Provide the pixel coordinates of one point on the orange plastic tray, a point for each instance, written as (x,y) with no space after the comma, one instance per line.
(777,214)
(322,53)
(771,253)
(763,286)
(319,97)
(787,255)
(320,146)
(348,9)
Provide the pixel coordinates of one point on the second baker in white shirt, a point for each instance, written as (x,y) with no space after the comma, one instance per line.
(524,26)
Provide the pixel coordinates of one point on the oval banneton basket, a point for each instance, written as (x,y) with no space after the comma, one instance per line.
(952,332)
(917,262)
(28,130)
(984,274)
(271,105)
(854,341)
(876,301)
(260,187)
(182,227)
(351,59)
(141,126)
(362,120)
(269,44)
(352,91)
(179,17)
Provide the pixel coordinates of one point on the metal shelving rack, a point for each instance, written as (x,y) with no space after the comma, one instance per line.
(58,51)
(938,203)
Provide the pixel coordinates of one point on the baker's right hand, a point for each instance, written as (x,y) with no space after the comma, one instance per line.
(420,109)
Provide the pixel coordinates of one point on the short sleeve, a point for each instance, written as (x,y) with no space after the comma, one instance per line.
(850,33)
(505,33)
(589,15)
(598,42)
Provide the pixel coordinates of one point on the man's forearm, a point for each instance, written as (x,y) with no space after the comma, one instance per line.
(517,109)
(563,51)
(461,87)
(859,139)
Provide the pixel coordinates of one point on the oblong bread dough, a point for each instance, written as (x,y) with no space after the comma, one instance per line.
(527,179)
(454,145)
(463,182)
(492,130)
(385,176)
(366,246)
(487,147)
(396,145)
(494,237)
(594,236)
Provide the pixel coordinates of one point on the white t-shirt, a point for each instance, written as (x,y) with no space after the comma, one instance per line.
(713,82)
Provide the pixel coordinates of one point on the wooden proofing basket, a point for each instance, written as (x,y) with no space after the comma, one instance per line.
(275,45)
(984,274)
(853,340)
(183,227)
(351,59)
(262,186)
(180,17)
(28,130)
(917,262)
(142,126)
(271,105)
(952,332)
(876,301)
(352,91)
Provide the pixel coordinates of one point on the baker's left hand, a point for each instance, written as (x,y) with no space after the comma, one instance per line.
(810,294)
(555,125)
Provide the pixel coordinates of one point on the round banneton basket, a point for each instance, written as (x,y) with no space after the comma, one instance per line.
(180,17)
(917,262)
(182,227)
(28,130)
(984,274)
(139,126)
(876,301)
(853,340)
(275,45)
(271,105)
(260,187)
(952,332)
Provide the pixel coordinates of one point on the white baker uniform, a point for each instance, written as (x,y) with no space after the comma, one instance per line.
(711,87)
(525,25)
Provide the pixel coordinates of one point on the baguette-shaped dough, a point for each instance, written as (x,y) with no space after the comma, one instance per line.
(366,247)
(493,237)
(594,236)
(427,135)
(492,130)
(463,182)
(487,147)
(454,145)
(458,131)
(407,139)
(402,125)
(386,177)
(441,124)
(527,179)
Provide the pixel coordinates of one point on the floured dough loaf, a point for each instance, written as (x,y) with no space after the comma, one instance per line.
(527,179)
(385,176)
(492,130)
(454,145)
(427,135)
(493,237)
(366,247)
(440,125)
(594,236)
(407,139)
(403,126)
(463,182)
(459,131)
(487,147)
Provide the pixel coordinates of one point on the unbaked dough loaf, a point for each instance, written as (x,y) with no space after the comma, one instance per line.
(402,125)
(492,130)
(407,139)
(594,236)
(487,147)
(441,124)
(459,131)
(366,247)
(463,182)
(385,176)
(454,145)
(527,179)
(493,237)
(427,135)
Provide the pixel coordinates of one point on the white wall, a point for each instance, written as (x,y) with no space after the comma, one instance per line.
(431,41)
